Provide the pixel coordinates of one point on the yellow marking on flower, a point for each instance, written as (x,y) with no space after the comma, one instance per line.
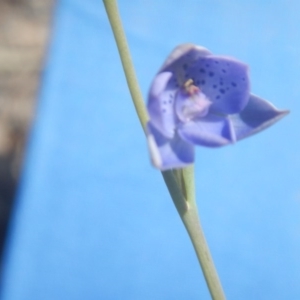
(190,88)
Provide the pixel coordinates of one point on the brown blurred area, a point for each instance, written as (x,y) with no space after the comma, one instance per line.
(24,31)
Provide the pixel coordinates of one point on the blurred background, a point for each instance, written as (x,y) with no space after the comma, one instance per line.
(91,218)
(24,28)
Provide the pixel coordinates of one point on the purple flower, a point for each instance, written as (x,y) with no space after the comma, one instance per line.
(198,98)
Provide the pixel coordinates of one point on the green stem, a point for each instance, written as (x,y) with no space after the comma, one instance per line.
(136,95)
(192,224)
(181,186)
(180,182)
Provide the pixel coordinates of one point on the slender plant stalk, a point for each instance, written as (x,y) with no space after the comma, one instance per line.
(136,95)
(180,182)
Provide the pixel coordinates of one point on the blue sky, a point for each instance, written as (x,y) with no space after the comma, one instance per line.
(93,219)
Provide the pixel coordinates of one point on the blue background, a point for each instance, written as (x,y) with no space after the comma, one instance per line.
(93,219)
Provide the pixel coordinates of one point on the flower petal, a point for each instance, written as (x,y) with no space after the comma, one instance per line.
(257,116)
(188,106)
(223,80)
(181,58)
(168,153)
(210,131)
(161,104)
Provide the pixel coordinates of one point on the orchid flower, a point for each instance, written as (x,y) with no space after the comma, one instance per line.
(198,98)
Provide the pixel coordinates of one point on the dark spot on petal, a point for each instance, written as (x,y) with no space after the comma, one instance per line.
(203,81)
(221,82)
(187,75)
(201,70)
(211,74)
(223,70)
(185,66)
(176,85)
(197,82)
(215,86)
(243,78)
(233,84)
(164,102)
(163,110)
(216,62)
(170,101)
(207,65)
(222,91)
(218,97)
(228,64)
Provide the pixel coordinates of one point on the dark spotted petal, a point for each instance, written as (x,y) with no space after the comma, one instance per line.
(168,153)
(210,131)
(183,57)
(257,116)
(161,104)
(223,80)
